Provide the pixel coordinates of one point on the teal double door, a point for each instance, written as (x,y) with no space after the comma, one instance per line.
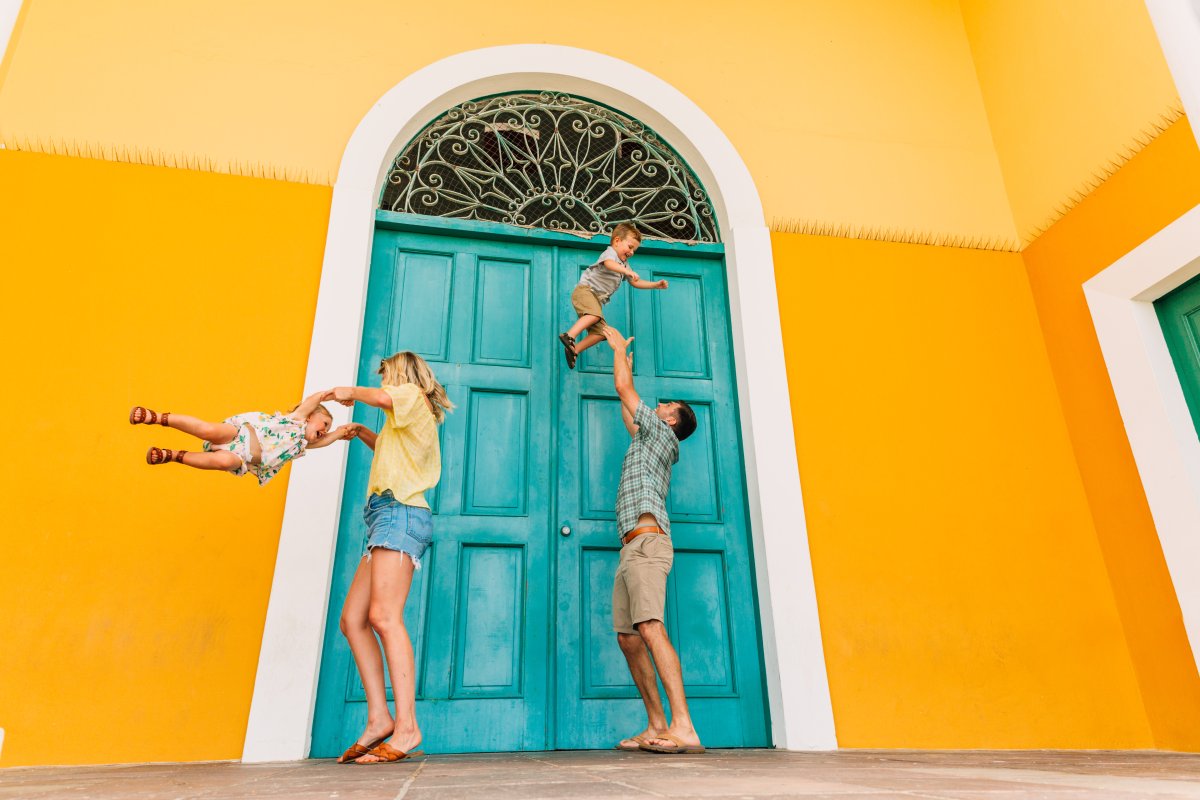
(511,612)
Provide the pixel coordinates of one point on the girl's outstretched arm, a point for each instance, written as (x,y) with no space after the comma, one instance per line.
(307,406)
(349,395)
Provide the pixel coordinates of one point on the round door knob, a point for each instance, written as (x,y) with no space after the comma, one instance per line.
(565,530)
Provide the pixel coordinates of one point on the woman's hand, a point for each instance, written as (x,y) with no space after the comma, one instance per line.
(661,284)
(340,394)
(347,431)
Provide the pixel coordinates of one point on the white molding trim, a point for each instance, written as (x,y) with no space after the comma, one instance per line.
(1157,421)
(9,11)
(281,711)
(1177,23)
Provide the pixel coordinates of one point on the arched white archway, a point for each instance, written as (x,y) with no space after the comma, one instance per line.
(281,712)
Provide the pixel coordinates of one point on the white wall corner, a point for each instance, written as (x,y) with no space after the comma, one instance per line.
(1177,23)
(9,11)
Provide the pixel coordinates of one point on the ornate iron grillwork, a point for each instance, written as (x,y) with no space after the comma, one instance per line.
(547,160)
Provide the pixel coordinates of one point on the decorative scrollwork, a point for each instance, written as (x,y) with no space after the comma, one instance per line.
(549,160)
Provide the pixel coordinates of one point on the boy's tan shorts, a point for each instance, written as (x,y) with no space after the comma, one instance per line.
(640,585)
(584,301)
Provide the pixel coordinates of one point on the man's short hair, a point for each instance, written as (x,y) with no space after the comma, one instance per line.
(685,420)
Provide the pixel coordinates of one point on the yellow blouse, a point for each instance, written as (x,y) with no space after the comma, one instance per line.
(408,457)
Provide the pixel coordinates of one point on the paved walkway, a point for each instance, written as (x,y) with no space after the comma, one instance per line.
(749,774)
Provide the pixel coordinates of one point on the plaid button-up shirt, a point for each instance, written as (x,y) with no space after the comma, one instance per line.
(646,472)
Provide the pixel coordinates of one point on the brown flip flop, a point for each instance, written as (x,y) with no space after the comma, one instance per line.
(639,739)
(388,755)
(680,749)
(355,750)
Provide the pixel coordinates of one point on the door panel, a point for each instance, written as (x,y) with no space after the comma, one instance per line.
(478,612)
(681,336)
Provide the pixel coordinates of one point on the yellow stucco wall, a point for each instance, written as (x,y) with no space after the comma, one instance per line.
(133,598)
(987,577)
(1153,189)
(840,117)
(1071,86)
(963,598)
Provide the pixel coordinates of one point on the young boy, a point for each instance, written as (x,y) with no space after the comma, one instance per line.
(597,285)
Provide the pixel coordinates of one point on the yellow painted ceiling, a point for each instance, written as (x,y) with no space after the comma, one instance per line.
(896,118)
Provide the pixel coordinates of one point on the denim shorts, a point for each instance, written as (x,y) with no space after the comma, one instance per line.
(395,526)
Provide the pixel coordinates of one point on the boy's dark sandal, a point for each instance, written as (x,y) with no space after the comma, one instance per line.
(569,349)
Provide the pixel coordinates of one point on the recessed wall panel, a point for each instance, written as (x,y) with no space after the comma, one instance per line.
(605,672)
(501,313)
(491,613)
(423,303)
(497,451)
(700,627)
(604,441)
(681,341)
(695,489)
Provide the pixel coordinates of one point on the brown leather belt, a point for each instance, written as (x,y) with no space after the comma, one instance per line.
(636,532)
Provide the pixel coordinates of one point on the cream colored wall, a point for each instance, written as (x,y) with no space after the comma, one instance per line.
(863,115)
(1072,89)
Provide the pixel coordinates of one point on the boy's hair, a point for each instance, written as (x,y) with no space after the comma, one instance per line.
(408,367)
(623,230)
(685,420)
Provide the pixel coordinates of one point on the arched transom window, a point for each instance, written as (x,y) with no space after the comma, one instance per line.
(548,160)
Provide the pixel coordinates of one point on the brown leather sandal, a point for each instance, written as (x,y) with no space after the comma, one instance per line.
(355,750)
(568,349)
(159,455)
(144,416)
(389,755)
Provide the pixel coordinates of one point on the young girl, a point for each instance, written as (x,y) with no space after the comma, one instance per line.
(254,442)
(407,463)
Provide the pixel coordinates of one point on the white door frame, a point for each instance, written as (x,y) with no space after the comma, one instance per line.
(281,712)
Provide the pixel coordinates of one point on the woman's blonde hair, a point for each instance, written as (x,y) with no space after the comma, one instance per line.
(408,367)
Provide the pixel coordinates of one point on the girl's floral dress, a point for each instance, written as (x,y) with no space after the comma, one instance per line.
(280,437)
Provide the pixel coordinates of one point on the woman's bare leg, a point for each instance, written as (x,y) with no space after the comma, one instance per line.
(367,656)
(391,578)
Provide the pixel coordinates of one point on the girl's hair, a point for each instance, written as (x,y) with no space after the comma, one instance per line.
(408,367)
(320,409)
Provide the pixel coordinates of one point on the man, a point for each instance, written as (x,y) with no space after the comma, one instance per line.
(640,585)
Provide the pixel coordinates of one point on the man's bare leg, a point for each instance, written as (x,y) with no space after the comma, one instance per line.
(642,670)
(654,634)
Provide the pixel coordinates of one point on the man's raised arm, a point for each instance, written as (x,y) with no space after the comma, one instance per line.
(623,376)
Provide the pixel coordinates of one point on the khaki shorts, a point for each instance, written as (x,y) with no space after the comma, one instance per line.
(584,301)
(640,586)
